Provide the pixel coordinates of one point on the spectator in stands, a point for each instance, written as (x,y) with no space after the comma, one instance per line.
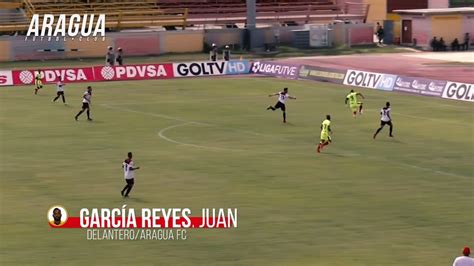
(119,57)
(276,35)
(467,39)
(226,53)
(214,52)
(380,33)
(455,46)
(464,260)
(377,28)
(435,44)
(110,57)
(442,44)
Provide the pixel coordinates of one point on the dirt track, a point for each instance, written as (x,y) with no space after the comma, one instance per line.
(453,66)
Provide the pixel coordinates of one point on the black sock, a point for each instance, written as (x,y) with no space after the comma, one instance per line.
(378,130)
(284,116)
(88,114)
(123,190)
(64,98)
(391,129)
(128,190)
(80,112)
(57,97)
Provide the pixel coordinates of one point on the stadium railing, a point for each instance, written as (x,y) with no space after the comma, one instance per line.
(234,11)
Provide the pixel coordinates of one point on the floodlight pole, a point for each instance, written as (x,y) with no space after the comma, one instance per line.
(251,14)
(251,22)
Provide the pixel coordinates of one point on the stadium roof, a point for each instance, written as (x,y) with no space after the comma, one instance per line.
(436,11)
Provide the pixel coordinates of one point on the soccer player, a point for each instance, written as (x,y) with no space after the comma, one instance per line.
(464,260)
(354,104)
(60,91)
(282,97)
(38,81)
(86,101)
(325,131)
(385,119)
(129,174)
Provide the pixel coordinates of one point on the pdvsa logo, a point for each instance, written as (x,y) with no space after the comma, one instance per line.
(57,216)
(59,27)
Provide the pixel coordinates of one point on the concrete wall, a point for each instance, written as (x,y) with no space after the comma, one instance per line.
(181,41)
(422,30)
(438,3)
(448,26)
(377,11)
(468,26)
(261,36)
(138,44)
(5,50)
(88,49)
(132,43)
(352,34)
(223,37)
(340,35)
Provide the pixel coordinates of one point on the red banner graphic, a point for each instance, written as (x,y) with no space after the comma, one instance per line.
(190,222)
(52,75)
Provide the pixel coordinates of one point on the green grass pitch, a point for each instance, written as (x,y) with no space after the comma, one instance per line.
(211,143)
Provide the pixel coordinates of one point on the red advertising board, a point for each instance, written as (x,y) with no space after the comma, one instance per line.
(133,72)
(51,75)
(93,74)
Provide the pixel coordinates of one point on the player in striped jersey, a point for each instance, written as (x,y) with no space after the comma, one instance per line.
(38,81)
(86,101)
(128,174)
(60,91)
(325,131)
(282,97)
(385,119)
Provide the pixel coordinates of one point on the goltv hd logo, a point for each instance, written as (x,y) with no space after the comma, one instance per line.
(58,27)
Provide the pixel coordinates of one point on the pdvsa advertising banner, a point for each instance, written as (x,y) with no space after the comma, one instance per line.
(6,78)
(275,69)
(27,77)
(370,80)
(459,91)
(322,74)
(419,86)
(198,69)
(133,72)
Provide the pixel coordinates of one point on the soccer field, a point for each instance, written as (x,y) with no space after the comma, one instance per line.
(204,143)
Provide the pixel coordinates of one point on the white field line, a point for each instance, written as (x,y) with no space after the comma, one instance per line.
(181,120)
(187,122)
(161,134)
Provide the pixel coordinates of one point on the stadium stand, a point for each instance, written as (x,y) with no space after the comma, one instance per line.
(12,14)
(268,11)
(124,14)
(120,14)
